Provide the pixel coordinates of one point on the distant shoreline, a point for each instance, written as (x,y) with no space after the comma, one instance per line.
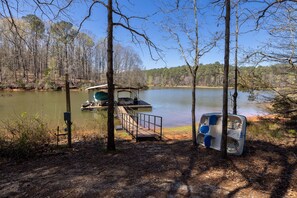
(201,87)
(82,89)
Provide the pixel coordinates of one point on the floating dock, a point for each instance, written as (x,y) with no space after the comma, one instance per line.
(140,105)
(124,96)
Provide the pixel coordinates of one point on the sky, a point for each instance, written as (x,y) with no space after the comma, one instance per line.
(152,26)
(208,21)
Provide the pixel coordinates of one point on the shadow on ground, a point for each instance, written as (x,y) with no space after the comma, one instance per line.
(156,169)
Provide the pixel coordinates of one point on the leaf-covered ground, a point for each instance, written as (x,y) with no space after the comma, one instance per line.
(172,168)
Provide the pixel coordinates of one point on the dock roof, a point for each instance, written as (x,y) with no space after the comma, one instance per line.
(105,86)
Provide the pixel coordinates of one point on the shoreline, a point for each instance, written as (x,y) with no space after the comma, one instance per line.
(253,118)
(187,87)
(82,88)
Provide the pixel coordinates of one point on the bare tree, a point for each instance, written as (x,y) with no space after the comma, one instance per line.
(124,22)
(279,18)
(191,54)
(100,59)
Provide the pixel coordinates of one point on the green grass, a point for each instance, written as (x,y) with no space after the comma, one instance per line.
(180,129)
(269,129)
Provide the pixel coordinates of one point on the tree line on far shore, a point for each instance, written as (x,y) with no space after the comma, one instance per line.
(211,75)
(39,54)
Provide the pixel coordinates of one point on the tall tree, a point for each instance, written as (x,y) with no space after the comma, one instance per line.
(64,33)
(126,25)
(189,30)
(226,74)
(100,59)
(235,94)
(84,52)
(124,22)
(36,30)
(109,74)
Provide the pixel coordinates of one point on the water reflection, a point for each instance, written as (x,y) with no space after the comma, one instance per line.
(173,104)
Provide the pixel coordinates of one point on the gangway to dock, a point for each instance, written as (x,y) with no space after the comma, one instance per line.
(141,126)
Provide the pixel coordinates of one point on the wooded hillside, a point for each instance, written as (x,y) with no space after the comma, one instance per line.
(211,75)
(38,54)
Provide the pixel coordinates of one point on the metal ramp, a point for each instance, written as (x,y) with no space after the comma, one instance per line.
(141,126)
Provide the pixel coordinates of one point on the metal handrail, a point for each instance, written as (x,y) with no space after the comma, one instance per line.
(129,124)
(150,121)
(132,122)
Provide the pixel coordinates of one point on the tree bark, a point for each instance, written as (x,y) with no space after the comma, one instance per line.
(235,94)
(0,71)
(225,89)
(68,108)
(194,74)
(193,110)
(47,50)
(110,112)
(66,59)
(36,72)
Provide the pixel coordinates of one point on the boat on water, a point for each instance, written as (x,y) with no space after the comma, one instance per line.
(210,132)
(124,96)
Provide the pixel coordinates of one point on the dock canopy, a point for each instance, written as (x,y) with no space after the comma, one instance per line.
(105,86)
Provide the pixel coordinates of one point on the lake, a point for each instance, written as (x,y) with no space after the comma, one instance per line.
(173,104)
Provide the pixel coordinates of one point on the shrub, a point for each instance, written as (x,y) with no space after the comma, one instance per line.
(24,136)
(292,132)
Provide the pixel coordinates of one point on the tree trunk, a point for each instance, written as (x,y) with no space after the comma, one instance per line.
(68,109)
(66,67)
(110,112)
(15,62)
(47,51)
(34,59)
(22,61)
(194,75)
(37,72)
(193,110)
(0,71)
(225,89)
(235,63)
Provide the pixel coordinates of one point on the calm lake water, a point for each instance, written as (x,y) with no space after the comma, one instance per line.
(173,104)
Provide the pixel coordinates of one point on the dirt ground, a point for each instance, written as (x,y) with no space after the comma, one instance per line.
(170,168)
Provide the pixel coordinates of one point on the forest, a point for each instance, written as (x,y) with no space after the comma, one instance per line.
(38,54)
(211,75)
(38,57)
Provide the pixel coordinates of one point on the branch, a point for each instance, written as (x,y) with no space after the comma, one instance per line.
(88,16)
(207,48)
(273,57)
(11,21)
(38,3)
(149,43)
(265,10)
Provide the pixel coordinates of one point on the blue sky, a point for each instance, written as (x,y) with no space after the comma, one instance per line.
(97,23)
(209,24)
